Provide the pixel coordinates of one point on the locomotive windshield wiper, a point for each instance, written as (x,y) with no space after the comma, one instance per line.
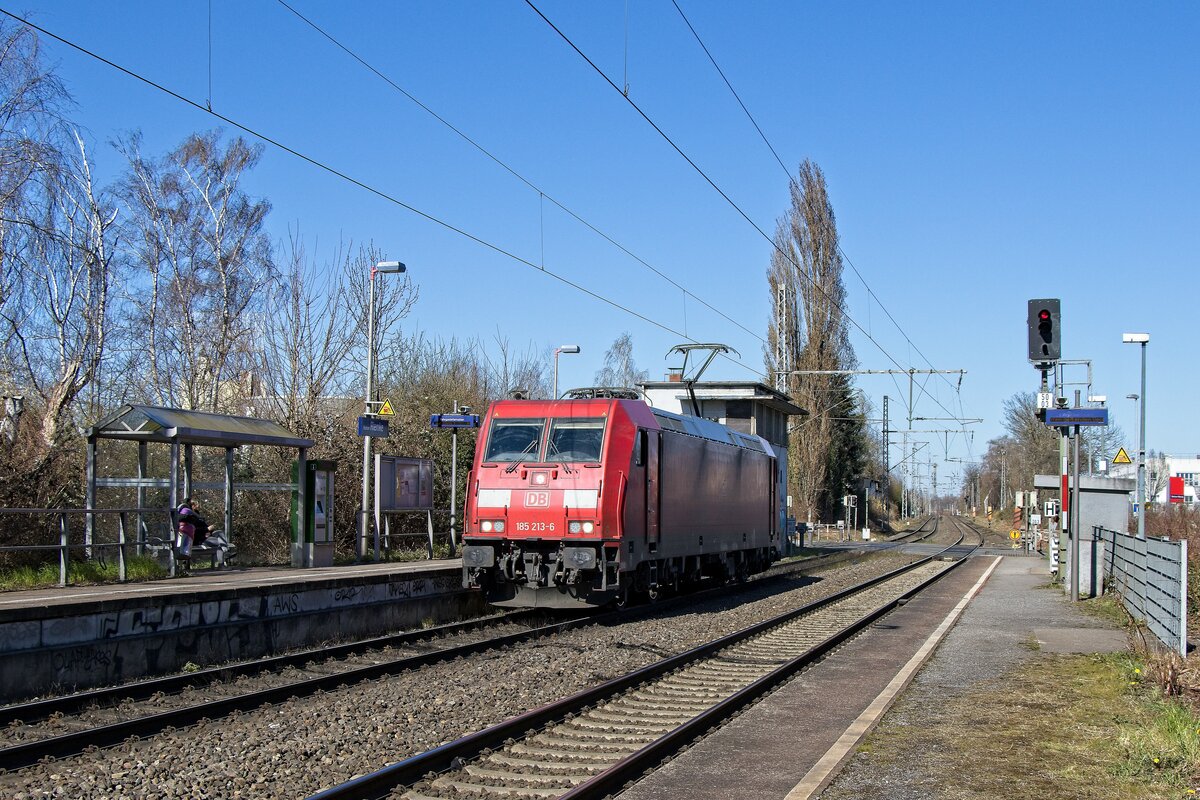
(528,448)
(551,446)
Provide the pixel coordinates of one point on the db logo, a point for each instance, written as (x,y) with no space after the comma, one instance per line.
(537,499)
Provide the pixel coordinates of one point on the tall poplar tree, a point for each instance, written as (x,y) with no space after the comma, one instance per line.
(809,333)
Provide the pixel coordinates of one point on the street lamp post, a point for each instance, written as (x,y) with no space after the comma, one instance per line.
(1142,339)
(566,348)
(364,511)
(1135,398)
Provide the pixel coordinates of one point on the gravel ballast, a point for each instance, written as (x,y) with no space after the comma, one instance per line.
(301,746)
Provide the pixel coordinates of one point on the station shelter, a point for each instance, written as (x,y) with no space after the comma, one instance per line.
(183,430)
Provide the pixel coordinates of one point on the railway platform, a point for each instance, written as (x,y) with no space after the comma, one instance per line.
(83,636)
(969,627)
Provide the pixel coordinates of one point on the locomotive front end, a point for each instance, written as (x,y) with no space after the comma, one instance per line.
(540,531)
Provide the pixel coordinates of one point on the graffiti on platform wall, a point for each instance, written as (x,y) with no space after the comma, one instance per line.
(81,659)
(285,603)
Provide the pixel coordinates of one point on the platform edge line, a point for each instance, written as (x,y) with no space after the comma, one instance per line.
(826,767)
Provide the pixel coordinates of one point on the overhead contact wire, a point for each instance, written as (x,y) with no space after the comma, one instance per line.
(733,204)
(510,170)
(782,166)
(354,181)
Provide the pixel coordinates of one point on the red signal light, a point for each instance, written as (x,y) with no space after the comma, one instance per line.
(1044,315)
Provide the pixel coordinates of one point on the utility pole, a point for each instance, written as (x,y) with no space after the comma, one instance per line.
(887,459)
(1003,487)
(933,464)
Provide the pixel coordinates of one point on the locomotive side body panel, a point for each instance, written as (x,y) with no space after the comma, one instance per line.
(714,497)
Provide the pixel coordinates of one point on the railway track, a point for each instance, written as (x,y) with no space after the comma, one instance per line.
(61,726)
(64,725)
(592,743)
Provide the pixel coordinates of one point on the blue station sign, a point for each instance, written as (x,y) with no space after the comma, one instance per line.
(454,421)
(1070,417)
(373,426)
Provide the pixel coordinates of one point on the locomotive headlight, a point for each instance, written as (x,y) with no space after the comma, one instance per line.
(588,527)
(499,526)
(492,526)
(574,527)
(580,557)
(486,526)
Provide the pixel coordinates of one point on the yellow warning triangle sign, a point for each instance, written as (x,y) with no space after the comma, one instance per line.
(386,409)
(1121,457)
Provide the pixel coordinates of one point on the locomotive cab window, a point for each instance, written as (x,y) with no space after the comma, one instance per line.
(514,440)
(575,440)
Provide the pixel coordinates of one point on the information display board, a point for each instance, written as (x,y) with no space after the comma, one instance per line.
(403,483)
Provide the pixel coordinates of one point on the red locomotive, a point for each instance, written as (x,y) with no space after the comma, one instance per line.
(582,502)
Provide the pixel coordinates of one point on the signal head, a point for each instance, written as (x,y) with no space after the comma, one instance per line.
(1045,335)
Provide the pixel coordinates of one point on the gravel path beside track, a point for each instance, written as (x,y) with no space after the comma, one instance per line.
(301,746)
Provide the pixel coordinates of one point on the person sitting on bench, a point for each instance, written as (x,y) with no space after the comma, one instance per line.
(193,513)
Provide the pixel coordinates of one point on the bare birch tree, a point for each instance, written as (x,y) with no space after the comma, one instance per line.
(31,126)
(206,263)
(67,262)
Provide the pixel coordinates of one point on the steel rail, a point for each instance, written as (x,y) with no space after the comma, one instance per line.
(27,753)
(411,770)
(140,690)
(639,763)
(36,710)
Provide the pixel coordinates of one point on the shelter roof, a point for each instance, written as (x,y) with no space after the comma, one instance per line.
(158,424)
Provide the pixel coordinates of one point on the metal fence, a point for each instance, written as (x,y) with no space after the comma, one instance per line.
(389,537)
(1151,576)
(72,537)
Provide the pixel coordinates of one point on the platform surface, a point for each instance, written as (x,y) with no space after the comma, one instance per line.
(58,600)
(775,749)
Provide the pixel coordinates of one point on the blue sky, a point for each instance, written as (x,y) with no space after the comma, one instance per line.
(977,155)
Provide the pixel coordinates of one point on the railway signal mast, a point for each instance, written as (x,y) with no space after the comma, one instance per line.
(1044,322)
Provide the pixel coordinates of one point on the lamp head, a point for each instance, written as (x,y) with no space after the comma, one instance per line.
(569,348)
(1135,338)
(390,266)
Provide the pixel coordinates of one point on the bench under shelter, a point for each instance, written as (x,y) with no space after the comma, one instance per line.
(183,430)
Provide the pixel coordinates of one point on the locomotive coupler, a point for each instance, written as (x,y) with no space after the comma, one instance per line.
(508,567)
(535,569)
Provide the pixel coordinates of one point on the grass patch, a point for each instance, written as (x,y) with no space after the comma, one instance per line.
(1057,727)
(1107,607)
(137,568)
